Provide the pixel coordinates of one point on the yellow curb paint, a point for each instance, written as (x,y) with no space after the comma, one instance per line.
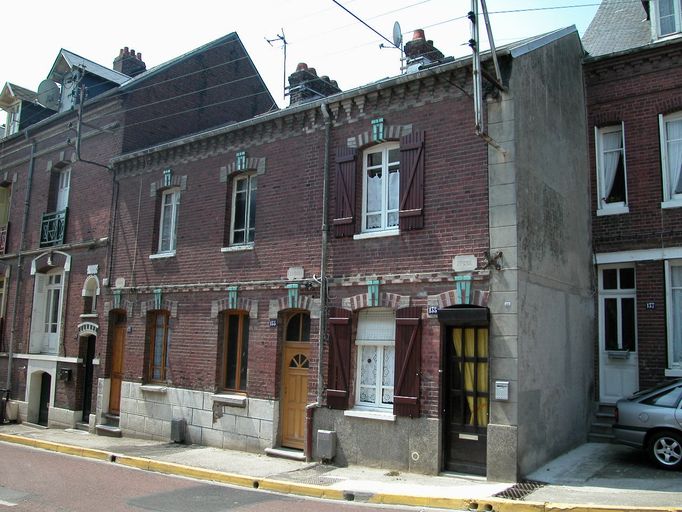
(134,462)
(313,491)
(567,507)
(275,486)
(332,494)
(515,506)
(95,454)
(70,450)
(47,445)
(11,438)
(454,503)
(239,480)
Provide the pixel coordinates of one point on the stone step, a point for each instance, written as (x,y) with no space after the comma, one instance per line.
(599,427)
(108,430)
(81,425)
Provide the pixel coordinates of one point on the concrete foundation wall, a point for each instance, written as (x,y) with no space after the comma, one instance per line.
(147,411)
(405,444)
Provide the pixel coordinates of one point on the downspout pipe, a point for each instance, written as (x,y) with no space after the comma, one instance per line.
(322,338)
(20,257)
(324,249)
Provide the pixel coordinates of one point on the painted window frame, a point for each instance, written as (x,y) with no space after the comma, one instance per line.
(670,199)
(381,344)
(47,312)
(251,192)
(385,166)
(673,368)
(168,248)
(154,342)
(619,293)
(242,348)
(676,16)
(13,119)
(63,189)
(604,207)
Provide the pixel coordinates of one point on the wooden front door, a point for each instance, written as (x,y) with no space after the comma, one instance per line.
(466,398)
(117,351)
(294,394)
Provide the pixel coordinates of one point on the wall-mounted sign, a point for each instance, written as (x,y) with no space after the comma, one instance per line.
(295,273)
(432,310)
(651,305)
(273,323)
(464,263)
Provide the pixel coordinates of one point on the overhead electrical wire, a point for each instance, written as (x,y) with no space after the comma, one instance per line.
(257,75)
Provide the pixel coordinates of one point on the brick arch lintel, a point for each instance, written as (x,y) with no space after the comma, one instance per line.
(242,304)
(150,305)
(252,164)
(391,132)
(386,300)
(305,302)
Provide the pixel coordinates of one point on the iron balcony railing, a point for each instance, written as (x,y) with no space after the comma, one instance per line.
(3,238)
(53,228)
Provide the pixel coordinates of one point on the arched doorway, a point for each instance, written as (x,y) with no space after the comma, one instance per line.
(44,403)
(295,380)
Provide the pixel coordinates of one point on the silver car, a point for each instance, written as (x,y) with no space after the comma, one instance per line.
(652,419)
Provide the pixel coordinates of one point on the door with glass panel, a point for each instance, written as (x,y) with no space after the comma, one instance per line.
(466,398)
(295,380)
(618,363)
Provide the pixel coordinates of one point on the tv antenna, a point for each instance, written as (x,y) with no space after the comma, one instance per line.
(281,37)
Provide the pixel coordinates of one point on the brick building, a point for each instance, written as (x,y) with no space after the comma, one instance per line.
(634,102)
(57,208)
(447,280)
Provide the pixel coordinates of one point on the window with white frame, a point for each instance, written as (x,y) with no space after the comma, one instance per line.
(243,223)
(667,16)
(64,185)
(381,187)
(617,299)
(674,313)
(47,307)
(611,176)
(375,343)
(170,204)
(671,156)
(12,121)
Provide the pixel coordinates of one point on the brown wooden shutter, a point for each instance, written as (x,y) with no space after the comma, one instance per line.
(338,383)
(408,348)
(412,181)
(344,214)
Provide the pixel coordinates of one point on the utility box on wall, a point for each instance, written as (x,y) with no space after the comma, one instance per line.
(326,444)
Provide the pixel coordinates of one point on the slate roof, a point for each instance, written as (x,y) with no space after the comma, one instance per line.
(13,92)
(617,26)
(67,60)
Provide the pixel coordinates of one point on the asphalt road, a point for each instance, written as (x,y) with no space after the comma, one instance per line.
(38,481)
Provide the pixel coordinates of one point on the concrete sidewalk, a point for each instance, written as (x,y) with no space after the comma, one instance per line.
(593,477)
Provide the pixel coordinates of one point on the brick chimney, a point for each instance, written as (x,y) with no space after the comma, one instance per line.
(305,85)
(129,63)
(420,52)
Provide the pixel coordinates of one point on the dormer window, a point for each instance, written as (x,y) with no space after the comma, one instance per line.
(667,15)
(12,124)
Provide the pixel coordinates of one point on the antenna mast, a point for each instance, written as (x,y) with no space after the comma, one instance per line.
(281,37)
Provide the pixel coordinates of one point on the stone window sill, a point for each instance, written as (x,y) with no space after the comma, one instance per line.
(153,388)
(161,255)
(231,400)
(237,248)
(673,372)
(370,415)
(377,234)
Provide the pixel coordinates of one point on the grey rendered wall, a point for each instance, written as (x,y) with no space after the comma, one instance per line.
(541,302)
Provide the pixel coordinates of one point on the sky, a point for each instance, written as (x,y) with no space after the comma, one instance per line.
(318,32)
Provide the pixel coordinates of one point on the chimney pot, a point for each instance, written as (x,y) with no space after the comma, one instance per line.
(139,55)
(129,62)
(418,34)
(302,66)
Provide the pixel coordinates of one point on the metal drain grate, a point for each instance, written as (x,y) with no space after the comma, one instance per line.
(314,475)
(520,490)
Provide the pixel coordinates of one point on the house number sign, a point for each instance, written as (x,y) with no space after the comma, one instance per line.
(651,305)
(273,323)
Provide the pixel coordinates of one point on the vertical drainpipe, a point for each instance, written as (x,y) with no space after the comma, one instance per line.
(323,282)
(17,292)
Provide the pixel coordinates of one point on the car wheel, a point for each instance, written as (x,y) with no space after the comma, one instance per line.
(665,449)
